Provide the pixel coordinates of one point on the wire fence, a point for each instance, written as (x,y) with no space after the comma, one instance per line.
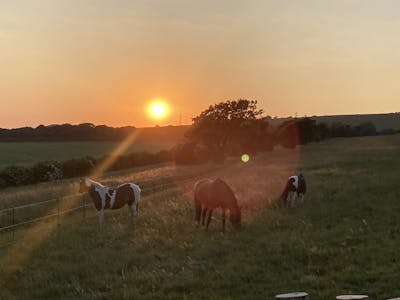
(18,217)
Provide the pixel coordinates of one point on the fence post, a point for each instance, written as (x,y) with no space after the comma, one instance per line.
(58,211)
(84,206)
(13,222)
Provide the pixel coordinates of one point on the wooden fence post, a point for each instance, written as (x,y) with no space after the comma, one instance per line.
(58,211)
(13,222)
(84,207)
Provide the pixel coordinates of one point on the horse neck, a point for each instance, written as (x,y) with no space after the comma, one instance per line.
(96,186)
(234,209)
(233,206)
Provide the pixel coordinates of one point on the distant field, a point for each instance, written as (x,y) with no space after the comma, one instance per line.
(381,121)
(344,239)
(25,153)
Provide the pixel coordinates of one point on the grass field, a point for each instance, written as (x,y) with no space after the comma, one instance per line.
(343,239)
(150,139)
(25,153)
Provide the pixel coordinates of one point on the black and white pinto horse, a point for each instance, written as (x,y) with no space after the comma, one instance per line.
(107,198)
(210,194)
(295,189)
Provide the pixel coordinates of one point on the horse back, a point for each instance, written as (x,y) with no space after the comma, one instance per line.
(124,195)
(224,194)
(214,193)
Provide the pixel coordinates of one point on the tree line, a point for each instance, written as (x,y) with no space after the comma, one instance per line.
(66,132)
(88,132)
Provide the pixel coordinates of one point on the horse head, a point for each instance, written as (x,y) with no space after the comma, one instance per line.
(82,185)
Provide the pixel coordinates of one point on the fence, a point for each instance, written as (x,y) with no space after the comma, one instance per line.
(17,217)
(14,218)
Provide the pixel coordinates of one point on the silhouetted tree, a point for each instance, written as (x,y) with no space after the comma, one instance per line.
(228,127)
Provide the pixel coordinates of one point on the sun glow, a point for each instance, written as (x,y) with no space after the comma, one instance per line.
(158,109)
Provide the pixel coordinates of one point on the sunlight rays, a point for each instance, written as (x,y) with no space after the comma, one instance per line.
(19,252)
(120,149)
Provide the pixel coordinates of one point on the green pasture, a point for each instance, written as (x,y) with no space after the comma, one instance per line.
(345,238)
(25,153)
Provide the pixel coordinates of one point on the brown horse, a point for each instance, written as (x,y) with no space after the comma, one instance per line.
(210,194)
(104,197)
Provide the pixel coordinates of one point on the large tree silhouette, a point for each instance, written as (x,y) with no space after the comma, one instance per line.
(228,127)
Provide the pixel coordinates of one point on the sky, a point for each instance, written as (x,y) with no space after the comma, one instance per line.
(104,61)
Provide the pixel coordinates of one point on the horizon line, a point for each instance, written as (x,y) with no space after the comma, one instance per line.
(178,125)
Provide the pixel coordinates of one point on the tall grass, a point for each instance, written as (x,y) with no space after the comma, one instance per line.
(343,239)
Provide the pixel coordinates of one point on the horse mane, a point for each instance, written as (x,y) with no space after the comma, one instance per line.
(89,182)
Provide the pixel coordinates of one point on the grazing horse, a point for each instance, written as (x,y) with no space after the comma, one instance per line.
(210,194)
(295,188)
(106,198)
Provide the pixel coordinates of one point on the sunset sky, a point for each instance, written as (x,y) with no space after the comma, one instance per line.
(74,61)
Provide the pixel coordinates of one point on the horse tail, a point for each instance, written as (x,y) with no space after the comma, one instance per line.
(136,191)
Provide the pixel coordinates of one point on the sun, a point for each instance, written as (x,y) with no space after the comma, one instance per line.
(158,109)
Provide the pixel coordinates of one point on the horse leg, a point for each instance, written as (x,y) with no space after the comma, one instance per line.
(223,220)
(101,216)
(292,202)
(133,210)
(209,218)
(198,214)
(301,196)
(203,215)
(284,197)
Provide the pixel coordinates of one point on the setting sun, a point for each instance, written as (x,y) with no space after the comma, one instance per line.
(158,109)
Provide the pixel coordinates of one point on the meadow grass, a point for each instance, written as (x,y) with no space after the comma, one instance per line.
(27,153)
(343,239)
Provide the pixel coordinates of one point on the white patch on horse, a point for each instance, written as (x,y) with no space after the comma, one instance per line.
(112,195)
(296,181)
(100,189)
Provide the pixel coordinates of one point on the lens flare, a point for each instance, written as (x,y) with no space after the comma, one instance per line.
(245,158)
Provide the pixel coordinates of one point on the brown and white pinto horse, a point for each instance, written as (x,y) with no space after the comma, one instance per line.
(294,191)
(107,198)
(210,194)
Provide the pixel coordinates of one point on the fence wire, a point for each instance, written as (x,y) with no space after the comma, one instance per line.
(16,217)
